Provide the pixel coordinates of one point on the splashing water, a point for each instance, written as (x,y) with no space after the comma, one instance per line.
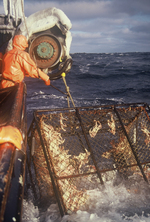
(127,201)
(30,212)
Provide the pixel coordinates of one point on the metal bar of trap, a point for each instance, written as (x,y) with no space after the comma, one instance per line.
(51,173)
(102,171)
(31,126)
(90,107)
(89,146)
(131,146)
(146,111)
(31,178)
(31,160)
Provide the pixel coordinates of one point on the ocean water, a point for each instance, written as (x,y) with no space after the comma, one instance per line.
(97,79)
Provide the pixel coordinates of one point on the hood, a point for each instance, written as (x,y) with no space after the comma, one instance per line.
(20,42)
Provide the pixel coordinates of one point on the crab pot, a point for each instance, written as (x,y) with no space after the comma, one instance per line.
(79,149)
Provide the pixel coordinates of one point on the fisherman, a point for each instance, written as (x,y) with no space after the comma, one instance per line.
(17,64)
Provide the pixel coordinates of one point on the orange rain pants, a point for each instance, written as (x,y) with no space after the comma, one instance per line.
(17,63)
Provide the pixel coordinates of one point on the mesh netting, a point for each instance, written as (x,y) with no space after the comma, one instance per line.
(80,149)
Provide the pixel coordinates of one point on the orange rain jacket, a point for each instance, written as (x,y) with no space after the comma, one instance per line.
(17,63)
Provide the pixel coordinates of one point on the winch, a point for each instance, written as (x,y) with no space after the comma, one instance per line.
(46,51)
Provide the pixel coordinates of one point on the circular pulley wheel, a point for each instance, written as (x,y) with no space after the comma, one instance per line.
(45,50)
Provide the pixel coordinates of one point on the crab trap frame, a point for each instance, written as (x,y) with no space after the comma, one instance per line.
(74,150)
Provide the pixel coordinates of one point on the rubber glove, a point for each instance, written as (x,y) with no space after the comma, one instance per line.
(47,82)
(44,77)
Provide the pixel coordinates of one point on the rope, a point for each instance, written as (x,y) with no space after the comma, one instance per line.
(58,89)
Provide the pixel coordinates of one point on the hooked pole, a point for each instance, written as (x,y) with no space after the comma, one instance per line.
(67,90)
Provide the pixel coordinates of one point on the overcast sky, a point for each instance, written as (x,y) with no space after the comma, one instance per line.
(103,26)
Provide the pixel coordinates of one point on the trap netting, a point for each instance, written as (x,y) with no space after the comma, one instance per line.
(79,149)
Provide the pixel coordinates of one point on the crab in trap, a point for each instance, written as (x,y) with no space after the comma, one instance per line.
(66,165)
